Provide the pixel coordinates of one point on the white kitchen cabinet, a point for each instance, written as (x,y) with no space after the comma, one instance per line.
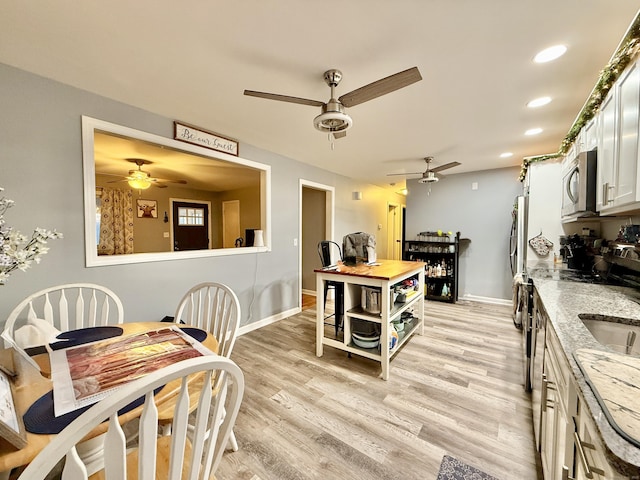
(590,135)
(628,128)
(618,153)
(569,446)
(590,461)
(558,404)
(606,153)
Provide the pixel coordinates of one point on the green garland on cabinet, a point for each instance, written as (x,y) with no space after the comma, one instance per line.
(529,160)
(621,59)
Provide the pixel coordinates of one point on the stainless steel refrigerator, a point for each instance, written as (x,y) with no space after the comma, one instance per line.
(518,236)
(522,286)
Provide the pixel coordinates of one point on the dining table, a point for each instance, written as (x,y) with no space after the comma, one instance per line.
(31,385)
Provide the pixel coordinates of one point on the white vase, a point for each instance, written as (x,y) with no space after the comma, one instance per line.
(258,239)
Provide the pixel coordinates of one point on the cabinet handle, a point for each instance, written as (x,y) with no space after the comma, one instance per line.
(580,446)
(546,385)
(609,189)
(565,473)
(605,193)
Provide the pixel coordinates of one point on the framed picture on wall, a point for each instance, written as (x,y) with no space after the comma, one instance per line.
(147,208)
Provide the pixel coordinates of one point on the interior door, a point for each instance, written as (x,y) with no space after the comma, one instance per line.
(231,223)
(394,232)
(190,225)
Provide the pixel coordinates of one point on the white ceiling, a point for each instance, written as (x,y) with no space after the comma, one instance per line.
(191,61)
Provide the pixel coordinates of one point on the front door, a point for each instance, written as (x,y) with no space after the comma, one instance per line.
(190,226)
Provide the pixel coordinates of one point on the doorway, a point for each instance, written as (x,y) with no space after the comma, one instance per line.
(316,220)
(395,225)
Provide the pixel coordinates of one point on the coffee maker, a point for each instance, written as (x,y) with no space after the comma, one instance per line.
(573,250)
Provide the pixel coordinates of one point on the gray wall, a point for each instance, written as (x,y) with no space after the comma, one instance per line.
(41,170)
(482,215)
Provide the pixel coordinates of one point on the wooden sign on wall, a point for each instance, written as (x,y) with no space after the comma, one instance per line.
(203,138)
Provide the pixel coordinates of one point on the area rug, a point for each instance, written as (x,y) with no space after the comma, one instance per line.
(453,469)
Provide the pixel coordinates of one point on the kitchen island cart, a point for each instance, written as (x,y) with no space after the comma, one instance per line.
(397,315)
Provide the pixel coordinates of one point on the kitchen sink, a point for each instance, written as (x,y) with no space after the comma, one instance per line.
(620,334)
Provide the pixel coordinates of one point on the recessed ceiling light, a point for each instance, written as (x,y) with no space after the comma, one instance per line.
(550,53)
(533,131)
(538,102)
(506,155)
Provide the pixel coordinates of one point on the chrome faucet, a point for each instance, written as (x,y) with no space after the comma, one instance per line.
(631,338)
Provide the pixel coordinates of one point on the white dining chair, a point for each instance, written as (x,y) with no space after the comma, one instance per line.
(213,307)
(61,308)
(172,457)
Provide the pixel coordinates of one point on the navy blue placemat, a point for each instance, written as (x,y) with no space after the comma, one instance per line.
(85,335)
(195,333)
(40,417)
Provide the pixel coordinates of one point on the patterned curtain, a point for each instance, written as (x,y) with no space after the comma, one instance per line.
(116,222)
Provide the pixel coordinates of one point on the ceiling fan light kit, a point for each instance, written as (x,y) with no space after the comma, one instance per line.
(139,180)
(429,177)
(332,122)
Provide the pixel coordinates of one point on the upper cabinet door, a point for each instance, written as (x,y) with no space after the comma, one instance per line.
(590,137)
(606,152)
(629,117)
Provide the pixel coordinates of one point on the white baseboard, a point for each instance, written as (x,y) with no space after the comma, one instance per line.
(309,292)
(268,321)
(490,300)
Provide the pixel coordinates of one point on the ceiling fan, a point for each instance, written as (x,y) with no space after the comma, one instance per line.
(430,175)
(333,118)
(140,179)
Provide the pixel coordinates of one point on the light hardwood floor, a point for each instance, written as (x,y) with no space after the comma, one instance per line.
(457,390)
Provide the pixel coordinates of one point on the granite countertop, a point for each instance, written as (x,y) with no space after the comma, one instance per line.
(564,301)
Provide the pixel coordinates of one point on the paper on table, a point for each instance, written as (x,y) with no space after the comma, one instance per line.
(85,374)
(7,408)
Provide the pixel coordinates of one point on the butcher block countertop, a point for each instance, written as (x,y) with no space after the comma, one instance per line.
(608,372)
(382,269)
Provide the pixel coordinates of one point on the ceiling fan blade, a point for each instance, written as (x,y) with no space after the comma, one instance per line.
(162,182)
(110,174)
(445,166)
(381,87)
(166,180)
(341,134)
(284,98)
(410,173)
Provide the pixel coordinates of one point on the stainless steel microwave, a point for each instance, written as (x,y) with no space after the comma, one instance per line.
(579,187)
